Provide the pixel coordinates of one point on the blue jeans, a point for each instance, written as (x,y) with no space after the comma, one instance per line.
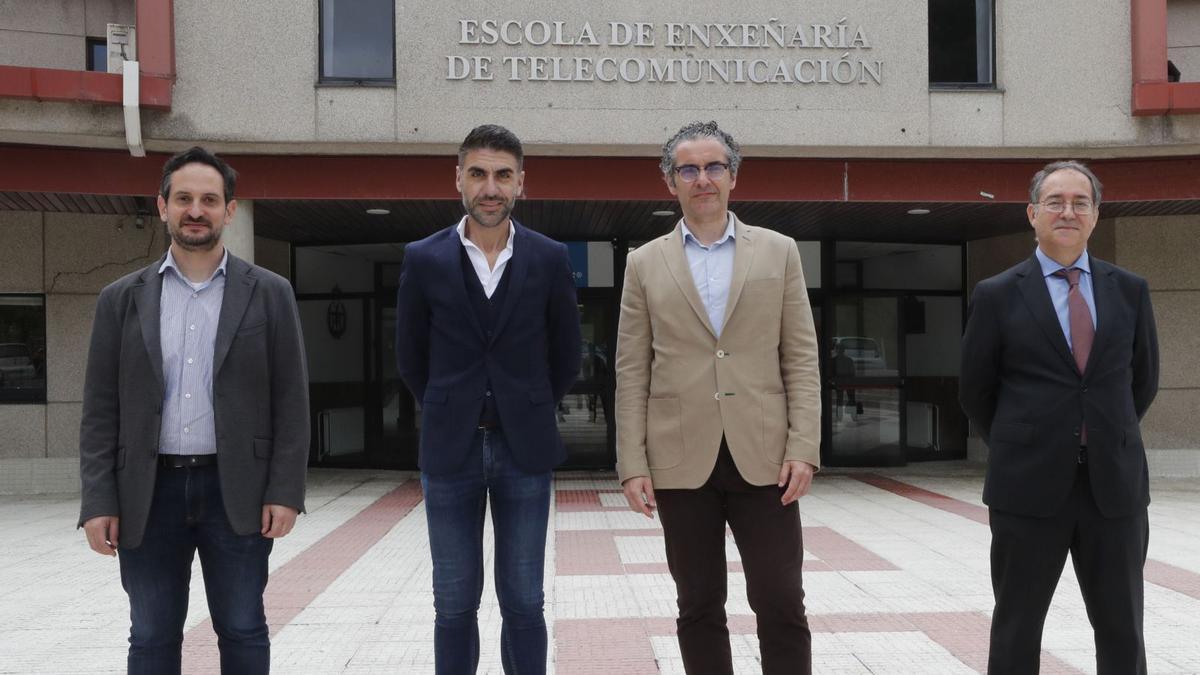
(187,516)
(454,507)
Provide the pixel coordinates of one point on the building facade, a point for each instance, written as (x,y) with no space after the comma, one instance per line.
(894,141)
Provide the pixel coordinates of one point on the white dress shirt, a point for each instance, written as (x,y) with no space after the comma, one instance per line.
(489,277)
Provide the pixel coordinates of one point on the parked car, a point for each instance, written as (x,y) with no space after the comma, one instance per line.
(866,353)
(16,364)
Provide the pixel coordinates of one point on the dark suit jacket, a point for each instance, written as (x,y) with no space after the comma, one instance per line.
(260,399)
(446,360)
(1024,394)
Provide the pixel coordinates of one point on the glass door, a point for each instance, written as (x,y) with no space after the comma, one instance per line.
(585,416)
(863,381)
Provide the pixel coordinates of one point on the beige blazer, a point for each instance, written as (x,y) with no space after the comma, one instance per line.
(679,387)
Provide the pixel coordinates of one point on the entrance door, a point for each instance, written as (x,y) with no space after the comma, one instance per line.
(863,385)
(585,417)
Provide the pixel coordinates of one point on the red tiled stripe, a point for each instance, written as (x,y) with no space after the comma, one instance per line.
(929,498)
(584,500)
(1159,573)
(298,581)
(840,553)
(1175,578)
(587,646)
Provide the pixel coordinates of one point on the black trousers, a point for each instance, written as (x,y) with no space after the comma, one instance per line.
(1108,554)
(769,540)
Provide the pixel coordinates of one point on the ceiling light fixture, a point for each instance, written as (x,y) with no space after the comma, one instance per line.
(378,212)
(918,212)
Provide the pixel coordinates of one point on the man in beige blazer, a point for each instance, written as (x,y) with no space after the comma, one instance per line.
(718,406)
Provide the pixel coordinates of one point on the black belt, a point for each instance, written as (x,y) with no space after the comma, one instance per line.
(186,461)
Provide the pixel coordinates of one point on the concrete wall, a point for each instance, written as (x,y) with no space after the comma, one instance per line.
(69,258)
(1161,250)
(50,33)
(247,81)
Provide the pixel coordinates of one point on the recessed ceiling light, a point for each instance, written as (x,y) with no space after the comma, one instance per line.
(378,212)
(662,213)
(918,212)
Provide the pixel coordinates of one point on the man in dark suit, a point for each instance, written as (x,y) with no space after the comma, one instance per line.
(488,340)
(195,431)
(1059,364)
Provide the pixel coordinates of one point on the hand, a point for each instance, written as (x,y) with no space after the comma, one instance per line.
(639,492)
(102,533)
(277,520)
(797,476)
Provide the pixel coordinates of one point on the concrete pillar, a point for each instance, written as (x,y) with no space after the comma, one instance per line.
(238,236)
(1161,249)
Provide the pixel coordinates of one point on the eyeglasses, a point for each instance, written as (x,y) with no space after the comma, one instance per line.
(1081,207)
(690,172)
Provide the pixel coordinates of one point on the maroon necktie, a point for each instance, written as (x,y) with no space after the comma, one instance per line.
(1080,318)
(1082,330)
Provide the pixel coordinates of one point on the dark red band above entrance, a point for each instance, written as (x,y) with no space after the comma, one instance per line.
(114,172)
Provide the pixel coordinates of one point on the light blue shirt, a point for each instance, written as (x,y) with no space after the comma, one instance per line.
(712,271)
(1060,287)
(187,332)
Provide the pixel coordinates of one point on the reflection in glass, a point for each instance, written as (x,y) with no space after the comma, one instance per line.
(866,421)
(22,349)
(583,415)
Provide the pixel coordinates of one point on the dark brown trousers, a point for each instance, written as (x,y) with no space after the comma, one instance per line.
(769,540)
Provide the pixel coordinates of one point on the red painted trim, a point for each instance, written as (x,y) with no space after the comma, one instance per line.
(156,38)
(1148,32)
(1151,93)
(114,172)
(79,86)
(156,44)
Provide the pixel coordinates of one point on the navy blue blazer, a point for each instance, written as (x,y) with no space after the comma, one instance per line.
(444,357)
(1020,387)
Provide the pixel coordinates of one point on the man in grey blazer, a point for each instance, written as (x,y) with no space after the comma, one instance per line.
(195,431)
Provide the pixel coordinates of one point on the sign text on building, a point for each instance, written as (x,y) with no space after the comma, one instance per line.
(788,62)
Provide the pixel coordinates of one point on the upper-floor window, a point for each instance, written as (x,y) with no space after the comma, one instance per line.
(358,41)
(962,43)
(22,349)
(97,55)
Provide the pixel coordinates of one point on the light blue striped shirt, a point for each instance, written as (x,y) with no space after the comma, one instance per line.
(187,333)
(712,271)
(1060,287)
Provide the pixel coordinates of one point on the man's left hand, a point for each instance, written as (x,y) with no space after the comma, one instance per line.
(277,520)
(797,477)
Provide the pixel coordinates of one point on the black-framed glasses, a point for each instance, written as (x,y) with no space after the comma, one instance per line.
(688,173)
(1081,207)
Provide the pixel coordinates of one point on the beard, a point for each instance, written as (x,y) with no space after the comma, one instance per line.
(205,240)
(488,219)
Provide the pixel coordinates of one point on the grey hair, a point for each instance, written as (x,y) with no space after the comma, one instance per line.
(1035,185)
(692,131)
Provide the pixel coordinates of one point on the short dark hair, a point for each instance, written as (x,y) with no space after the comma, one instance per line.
(198,155)
(694,130)
(492,137)
(1035,185)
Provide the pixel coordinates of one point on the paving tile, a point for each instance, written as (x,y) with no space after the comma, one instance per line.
(896,579)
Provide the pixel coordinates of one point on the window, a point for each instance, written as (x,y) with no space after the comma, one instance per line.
(97,55)
(22,349)
(358,41)
(961,43)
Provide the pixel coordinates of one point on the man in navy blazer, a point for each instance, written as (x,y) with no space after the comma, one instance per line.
(1059,364)
(488,340)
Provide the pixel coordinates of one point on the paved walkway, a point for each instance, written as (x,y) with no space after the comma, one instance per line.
(895,570)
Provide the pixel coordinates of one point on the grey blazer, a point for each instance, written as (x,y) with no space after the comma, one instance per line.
(260,400)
